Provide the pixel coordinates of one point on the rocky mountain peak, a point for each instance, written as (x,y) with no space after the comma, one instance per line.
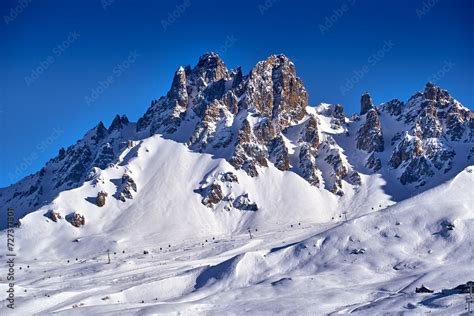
(435,93)
(370,135)
(100,132)
(118,122)
(365,103)
(178,91)
(273,90)
(211,67)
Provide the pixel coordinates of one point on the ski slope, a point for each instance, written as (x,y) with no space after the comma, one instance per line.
(309,268)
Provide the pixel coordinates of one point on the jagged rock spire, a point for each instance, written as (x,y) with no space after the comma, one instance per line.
(433,92)
(100,132)
(211,67)
(370,136)
(118,122)
(273,90)
(365,103)
(178,92)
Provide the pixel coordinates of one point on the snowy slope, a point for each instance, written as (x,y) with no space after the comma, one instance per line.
(163,210)
(311,269)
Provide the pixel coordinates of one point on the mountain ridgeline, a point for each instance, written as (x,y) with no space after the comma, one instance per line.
(262,120)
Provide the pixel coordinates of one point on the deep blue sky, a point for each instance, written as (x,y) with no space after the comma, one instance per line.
(329,42)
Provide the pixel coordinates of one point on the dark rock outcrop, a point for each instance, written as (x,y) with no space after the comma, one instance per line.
(52,215)
(307,165)
(393,107)
(279,153)
(228,177)
(408,148)
(127,186)
(310,132)
(370,136)
(213,195)
(243,203)
(274,91)
(100,199)
(248,154)
(76,219)
(366,103)
(415,170)
(373,163)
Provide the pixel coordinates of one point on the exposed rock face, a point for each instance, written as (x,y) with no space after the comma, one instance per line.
(433,119)
(100,132)
(228,177)
(248,154)
(471,153)
(274,91)
(118,123)
(178,91)
(264,131)
(415,170)
(354,178)
(370,136)
(52,215)
(439,154)
(75,165)
(393,107)
(128,186)
(76,219)
(213,131)
(105,157)
(340,172)
(243,203)
(213,195)
(217,191)
(308,165)
(428,125)
(211,68)
(366,103)
(100,200)
(335,169)
(310,132)
(279,153)
(338,117)
(408,148)
(374,163)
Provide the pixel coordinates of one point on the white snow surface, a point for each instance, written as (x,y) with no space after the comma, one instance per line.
(299,260)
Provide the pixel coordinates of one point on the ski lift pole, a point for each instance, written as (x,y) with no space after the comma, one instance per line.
(469,299)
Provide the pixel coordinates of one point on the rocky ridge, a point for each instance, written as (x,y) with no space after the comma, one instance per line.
(263,120)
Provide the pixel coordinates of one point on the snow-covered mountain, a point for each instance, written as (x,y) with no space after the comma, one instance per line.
(224,155)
